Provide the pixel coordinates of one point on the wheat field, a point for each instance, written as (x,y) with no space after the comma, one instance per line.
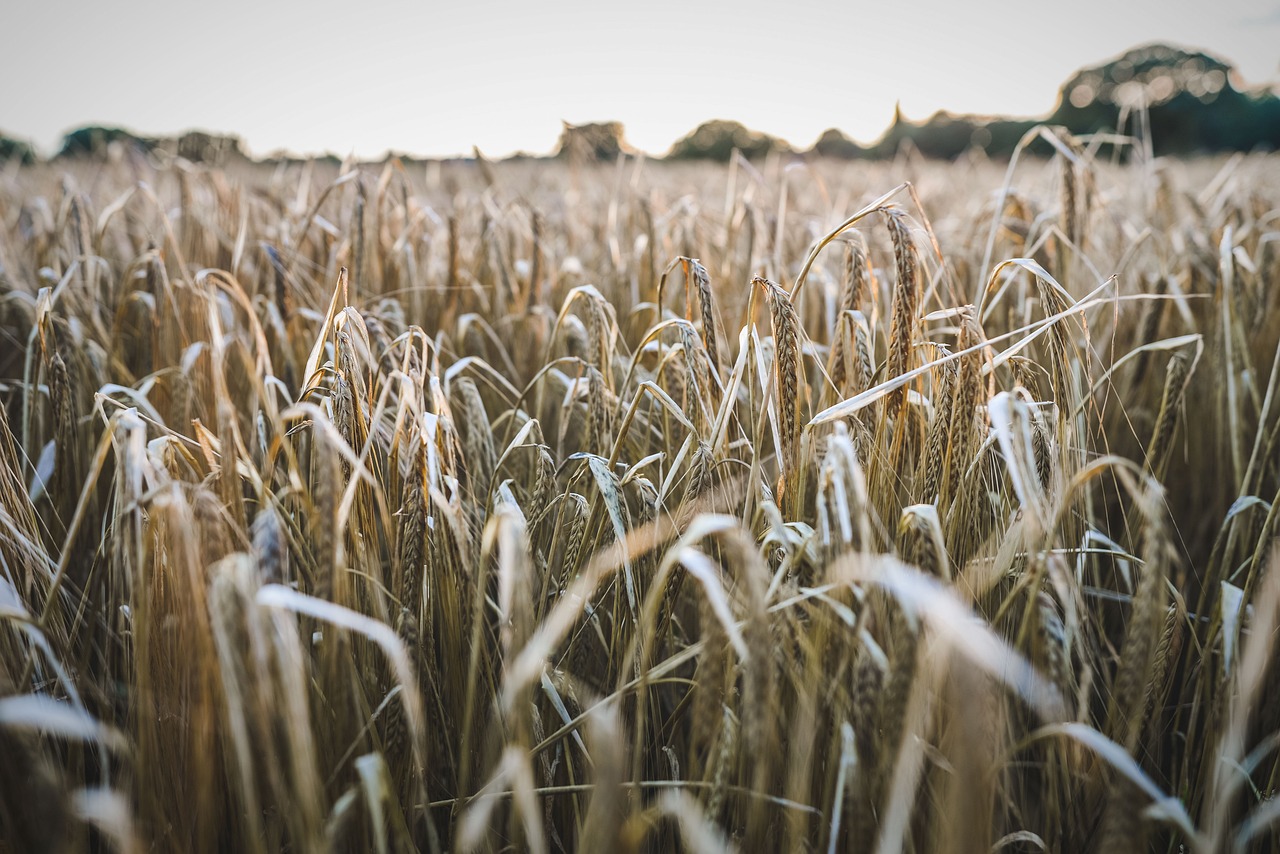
(640,506)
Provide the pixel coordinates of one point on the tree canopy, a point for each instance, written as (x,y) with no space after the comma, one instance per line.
(716,140)
(602,141)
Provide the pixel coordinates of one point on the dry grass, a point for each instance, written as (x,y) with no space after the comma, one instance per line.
(370,509)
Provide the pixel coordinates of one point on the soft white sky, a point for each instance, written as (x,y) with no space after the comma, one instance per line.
(435,78)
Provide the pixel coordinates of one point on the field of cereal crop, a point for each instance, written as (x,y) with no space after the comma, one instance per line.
(814,506)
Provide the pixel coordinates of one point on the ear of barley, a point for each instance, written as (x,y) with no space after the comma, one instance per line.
(1069,214)
(1058,344)
(710,337)
(572,561)
(67,465)
(452,279)
(891,711)
(786,336)
(270,547)
(971,517)
(543,487)
(865,367)
(1165,657)
(478,442)
(413,523)
(1175,384)
(939,431)
(1052,650)
(1127,710)
(699,400)
(920,540)
(856,286)
(534,295)
(1042,449)
(963,431)
(600,415)
(709,696)
(325,487)
(699,481)
(722,764)
(838,360)
(739,551)
(865,690)
(358,244)
(906,303)
(1150,328)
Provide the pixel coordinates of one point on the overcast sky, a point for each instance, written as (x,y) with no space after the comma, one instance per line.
(365,76)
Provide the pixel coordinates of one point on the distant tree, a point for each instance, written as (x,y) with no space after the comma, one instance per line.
(716,140)
(1003,135)
(93,141)
(944,136)
(291,159)
(1193,103)
(1192,100)
(201,147)
(16,149)
(836,145)
(898,130)
(600,141)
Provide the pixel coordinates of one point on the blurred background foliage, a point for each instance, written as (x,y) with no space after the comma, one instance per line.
(1183,102)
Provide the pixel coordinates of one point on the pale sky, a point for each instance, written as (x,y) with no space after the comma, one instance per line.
(433,78)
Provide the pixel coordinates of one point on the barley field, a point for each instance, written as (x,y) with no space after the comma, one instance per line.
(640,506)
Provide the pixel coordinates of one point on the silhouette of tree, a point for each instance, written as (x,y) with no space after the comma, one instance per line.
(716,140)
(15,149)
(836,145)
(92,141)
(601,141)
(201,147)
(1193,102)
